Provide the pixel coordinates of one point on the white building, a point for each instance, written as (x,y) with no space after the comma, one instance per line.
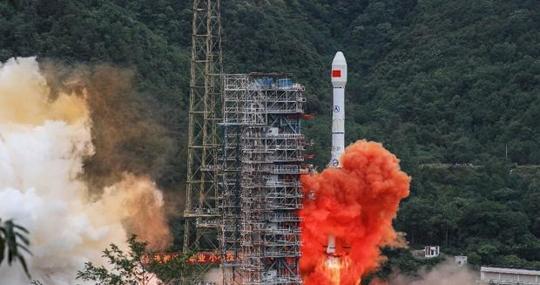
(432,251)
(508,276)
(460,260)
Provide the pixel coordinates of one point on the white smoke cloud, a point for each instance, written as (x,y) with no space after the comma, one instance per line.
(446,273)
(215,276)
(42,146)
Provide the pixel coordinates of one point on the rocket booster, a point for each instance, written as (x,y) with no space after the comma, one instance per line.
(339,80)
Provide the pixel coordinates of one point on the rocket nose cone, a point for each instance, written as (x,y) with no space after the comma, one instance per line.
(339,70)
(339,59)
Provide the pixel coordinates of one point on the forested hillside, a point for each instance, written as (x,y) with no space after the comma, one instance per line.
(451,87)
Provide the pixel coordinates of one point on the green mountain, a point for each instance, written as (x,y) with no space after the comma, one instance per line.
(451,87)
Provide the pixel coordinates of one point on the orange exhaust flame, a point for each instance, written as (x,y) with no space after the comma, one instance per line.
(333,267)
(356,204)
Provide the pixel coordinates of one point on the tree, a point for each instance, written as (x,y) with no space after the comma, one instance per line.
(13,241)
(15,3)
(134,267)
(127,268)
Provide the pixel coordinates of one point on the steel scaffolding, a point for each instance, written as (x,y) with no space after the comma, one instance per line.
(261,158)
(202,216)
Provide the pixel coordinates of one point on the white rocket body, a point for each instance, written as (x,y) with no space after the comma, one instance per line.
(339,81)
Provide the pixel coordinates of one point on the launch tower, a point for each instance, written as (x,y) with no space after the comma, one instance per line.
(243,186)
(202,216)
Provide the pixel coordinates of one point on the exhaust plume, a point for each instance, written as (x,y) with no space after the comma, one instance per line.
(44,140)
(356,204)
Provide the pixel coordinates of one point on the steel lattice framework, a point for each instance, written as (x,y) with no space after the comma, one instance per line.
(202,216)
(263,152)
(243,191)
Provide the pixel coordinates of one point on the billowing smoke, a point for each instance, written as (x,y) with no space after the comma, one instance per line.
(214,276)
(44,140)
(446,273)
(356,204)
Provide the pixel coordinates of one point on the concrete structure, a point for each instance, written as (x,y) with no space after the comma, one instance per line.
(261,163)
(508,276)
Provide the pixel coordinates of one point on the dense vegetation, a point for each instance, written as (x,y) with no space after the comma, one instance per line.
(134,266)
(451,87)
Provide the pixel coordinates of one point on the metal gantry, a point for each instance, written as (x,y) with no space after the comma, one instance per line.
(202,216)
(263,152)
(235,88)
(243,188)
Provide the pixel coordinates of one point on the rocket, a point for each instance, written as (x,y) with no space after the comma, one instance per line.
(339,81)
